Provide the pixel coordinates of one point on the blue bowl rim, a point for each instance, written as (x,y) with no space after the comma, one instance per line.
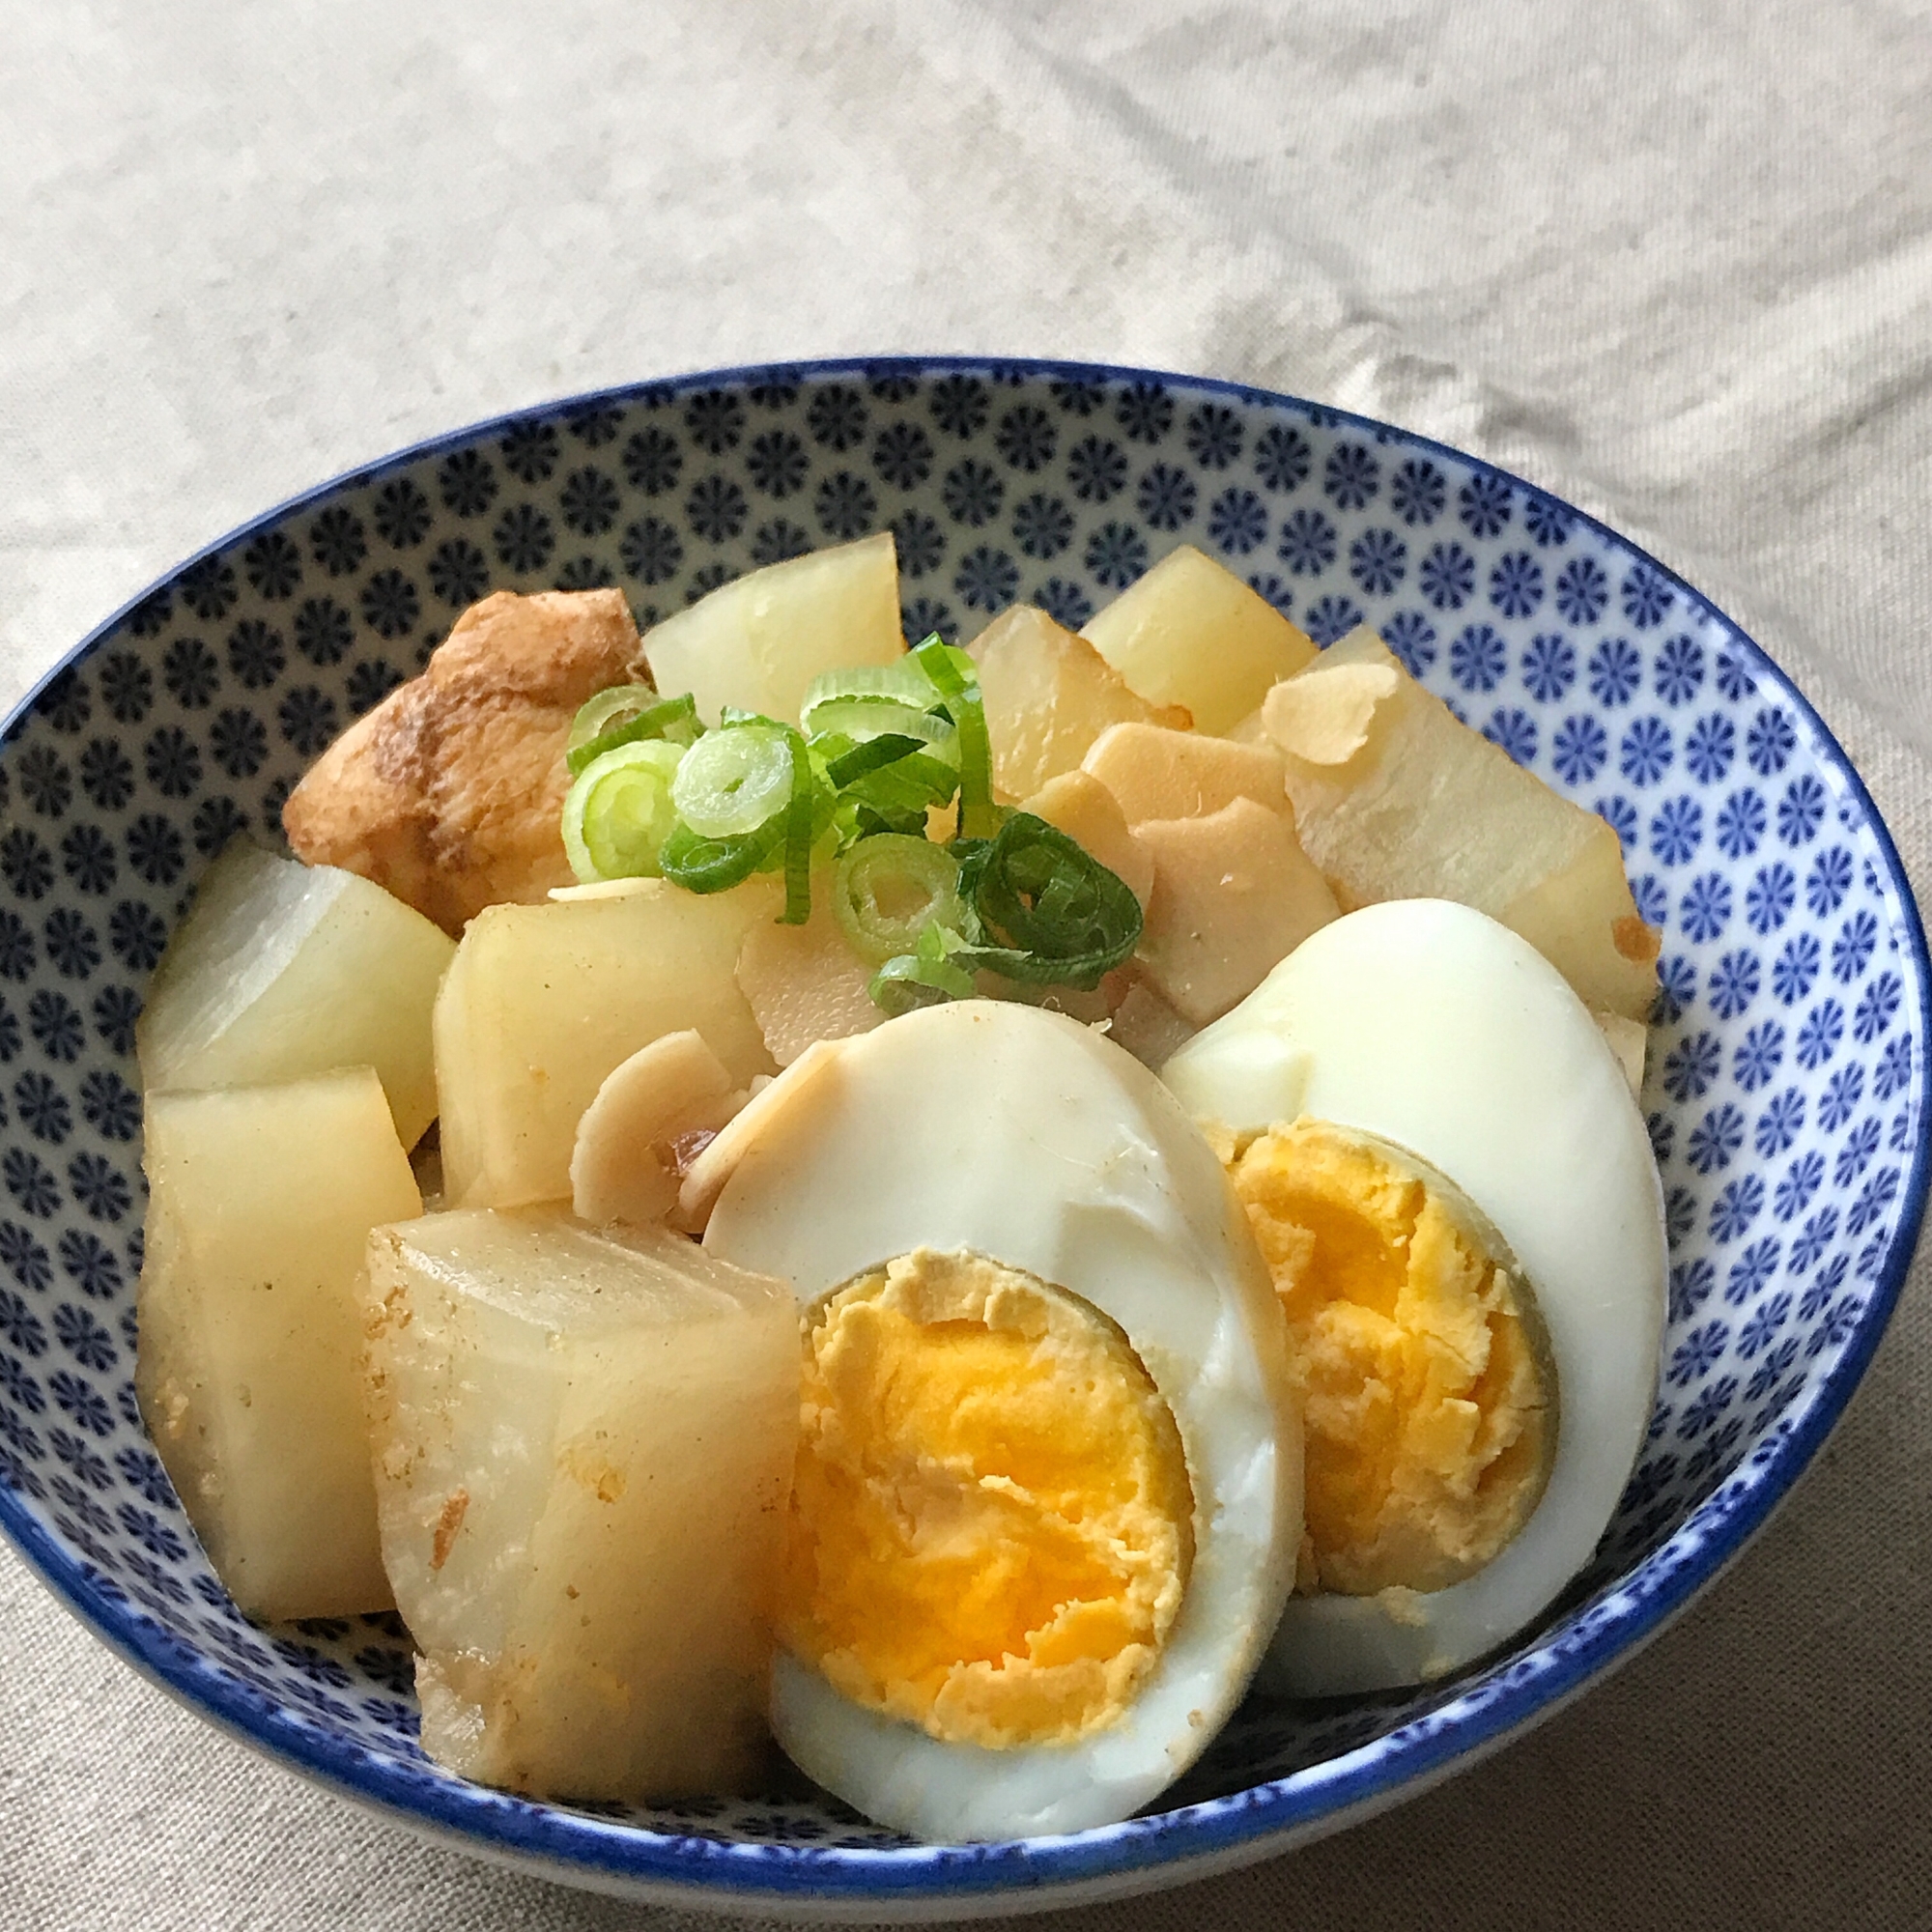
(1158,1848)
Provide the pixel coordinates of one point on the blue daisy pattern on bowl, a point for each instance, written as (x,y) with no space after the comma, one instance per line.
(1785,1091)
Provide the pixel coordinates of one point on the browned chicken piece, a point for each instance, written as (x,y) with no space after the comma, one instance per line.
(449,794)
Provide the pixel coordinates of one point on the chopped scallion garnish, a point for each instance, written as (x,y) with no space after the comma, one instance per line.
(902,683)
(800,831)
(887,889)
(619,813)
(957,679)
(717,865)
(882,747)
(627,714)
(863,718)
(1056,914)
(735,779)
(925,977)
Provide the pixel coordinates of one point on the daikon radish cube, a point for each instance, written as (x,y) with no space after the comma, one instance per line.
(281,969)
(1233,895)
(1396,798)
(583,1444)
(1192,633)
(543,1001)
(1048,695)
(1159,774)
(759,641)
(260,1204)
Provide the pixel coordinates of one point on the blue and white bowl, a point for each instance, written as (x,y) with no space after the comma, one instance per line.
(1786,1095)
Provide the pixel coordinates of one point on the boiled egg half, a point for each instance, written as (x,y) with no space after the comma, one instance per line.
(1456,1195)
(1048,1490)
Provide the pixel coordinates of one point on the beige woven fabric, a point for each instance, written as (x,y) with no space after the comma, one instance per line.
(1673,262)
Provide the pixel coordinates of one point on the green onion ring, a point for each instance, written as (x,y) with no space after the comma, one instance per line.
(735,779)
(619,813)
(888,888)
(629,723)
(957,679)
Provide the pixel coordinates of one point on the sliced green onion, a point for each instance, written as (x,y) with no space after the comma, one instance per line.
(800,831)
(901,682)
(1054,913)
(619,813)
(925,977)
(716,864)
(729,715)
(605,709)
(861,719)
(629,722)
(906,787)
(846,760)
(735,779)
(887,889)
(957,679)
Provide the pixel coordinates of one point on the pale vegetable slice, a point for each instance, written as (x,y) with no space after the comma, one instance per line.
(281,969)
(542,1002)
(1234,895)
(1395,798)
(1327,720)
(583,1444)
(249,1368)
(1048,695)
(800,1086)
(759,641)
(1156,773)
(623,1165)
(805,982)
(1192,633)
(1079,805)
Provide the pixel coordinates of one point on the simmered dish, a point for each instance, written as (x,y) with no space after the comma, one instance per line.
(941,1208)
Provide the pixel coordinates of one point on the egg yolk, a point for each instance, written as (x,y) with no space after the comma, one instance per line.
(991,1520)
(1430,1414)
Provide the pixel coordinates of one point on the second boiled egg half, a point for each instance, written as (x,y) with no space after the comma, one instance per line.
(1048,1492)
(1456,1196)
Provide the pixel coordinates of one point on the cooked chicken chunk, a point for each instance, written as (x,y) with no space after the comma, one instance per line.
(448,793)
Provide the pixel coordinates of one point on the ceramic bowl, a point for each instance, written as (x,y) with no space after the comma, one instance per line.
(1786,1091)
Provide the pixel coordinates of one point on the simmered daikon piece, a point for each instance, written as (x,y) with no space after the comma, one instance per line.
(1048,695)
(542,1002)
(584,1444)
(759,641)
(1396,798)
(1192,633)
(282,970)
(805,982)
(260,1204)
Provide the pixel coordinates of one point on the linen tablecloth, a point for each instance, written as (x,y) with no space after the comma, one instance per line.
(1672,261)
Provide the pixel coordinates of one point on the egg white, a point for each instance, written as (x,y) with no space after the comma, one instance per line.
(1431,1027)
(1029,1139)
